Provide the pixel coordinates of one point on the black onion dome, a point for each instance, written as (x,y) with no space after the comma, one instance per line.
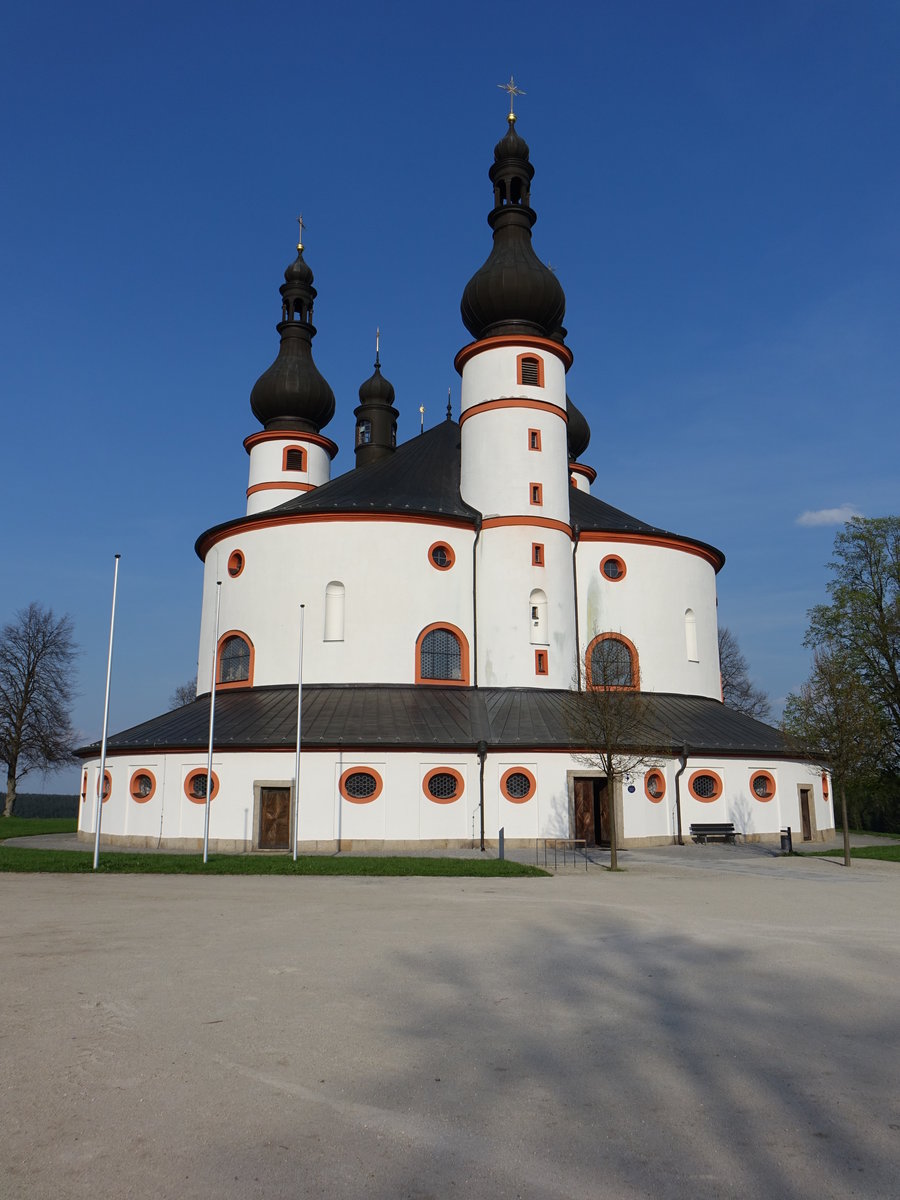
(376,389)
(513,292)
(292,394)
(578,432)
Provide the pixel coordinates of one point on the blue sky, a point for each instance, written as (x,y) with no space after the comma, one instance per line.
(717,188)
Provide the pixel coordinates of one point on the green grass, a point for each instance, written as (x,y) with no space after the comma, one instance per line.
(884,853)
(11,827)
(13,858)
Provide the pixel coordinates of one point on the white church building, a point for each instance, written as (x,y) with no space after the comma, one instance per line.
(457,589)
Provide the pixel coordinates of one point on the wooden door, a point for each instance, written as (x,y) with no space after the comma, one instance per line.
(602,810)
(804,814)
(584,810)
(275,818)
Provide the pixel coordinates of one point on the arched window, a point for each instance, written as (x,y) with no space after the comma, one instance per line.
(612,662)
(442,655)
(334,611)
(690,635)
(293,458)
(235,665)
(538,622)
(530,370)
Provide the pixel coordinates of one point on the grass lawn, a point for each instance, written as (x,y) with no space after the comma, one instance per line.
(885,853)
(81,862)
(27,826)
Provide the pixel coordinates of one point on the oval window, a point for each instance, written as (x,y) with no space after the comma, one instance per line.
(360,785)
(518,785)
(235,563)
(443,785)
(142,786)
(705,786)
(613,568)
(654,786)
(195,786)
(441,556)
(762,784)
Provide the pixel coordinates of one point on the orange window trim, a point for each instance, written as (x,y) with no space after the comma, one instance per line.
(824,785)
(360,770)
(136,796)
(541,663)
(107,785)
(237,683)
(504,785)
(705,799)
(622,572)
(451,556)
(291,435)
(770,780)
(534,439)
(537,554)
(513,402)
(661,794)
(520,360)
(189,779)
(236,563)
(283,485)
(501,341)
(635,662)
(460,785)
(536,492)
(463,657)
(303,458)
(84,776)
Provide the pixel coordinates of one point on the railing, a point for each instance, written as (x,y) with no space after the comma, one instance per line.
(560,846)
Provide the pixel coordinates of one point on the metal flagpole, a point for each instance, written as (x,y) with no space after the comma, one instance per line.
(296,821)
(102,779)
(212,718)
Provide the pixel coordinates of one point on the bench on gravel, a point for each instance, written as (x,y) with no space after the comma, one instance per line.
(710,832)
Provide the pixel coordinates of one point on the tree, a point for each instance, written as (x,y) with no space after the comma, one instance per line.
(834,721)
(862,622)
(185,693)
(609,720)
(37,656)
(738,692)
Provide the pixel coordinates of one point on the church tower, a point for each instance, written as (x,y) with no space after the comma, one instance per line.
(293,402)
(514,445)
(376,417)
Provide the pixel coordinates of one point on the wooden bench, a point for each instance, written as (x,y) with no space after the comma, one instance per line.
(723,831)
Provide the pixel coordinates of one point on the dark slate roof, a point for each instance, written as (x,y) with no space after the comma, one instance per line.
(590,513)
(403,716)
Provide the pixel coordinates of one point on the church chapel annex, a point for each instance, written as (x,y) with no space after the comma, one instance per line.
(454,586)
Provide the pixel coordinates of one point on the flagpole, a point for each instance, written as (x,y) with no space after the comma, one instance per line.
(296,821)
(212,719)
(102,780)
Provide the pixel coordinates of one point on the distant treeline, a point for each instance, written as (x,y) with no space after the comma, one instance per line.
(33,804)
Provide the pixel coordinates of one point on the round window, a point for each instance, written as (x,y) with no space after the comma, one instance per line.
(655,786)
(443,785)
(107,786)
(235,563)
(195,786)
(762,785)
(360,785)
(441,556)
(613,567)
(143,785)
(705,785)
(518,785)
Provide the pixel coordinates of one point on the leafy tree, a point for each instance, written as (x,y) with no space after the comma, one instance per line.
(738,692)
(185,693)
(37,657)
(835,722)
(862,622)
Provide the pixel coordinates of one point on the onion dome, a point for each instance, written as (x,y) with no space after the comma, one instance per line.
(578,432)
(513,292)
(376,418)
(292,394)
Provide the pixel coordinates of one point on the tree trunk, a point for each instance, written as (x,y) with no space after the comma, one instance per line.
(10,790)
(845,825)
(613,830)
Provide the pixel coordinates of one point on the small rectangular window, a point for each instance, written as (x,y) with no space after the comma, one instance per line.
(537,554)
(293,460)
(534,439)
(537,493)
(540,662)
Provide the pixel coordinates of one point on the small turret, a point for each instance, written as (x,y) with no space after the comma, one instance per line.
(376,417)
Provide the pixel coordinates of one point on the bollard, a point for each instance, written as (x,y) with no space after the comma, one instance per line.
(787,846)
(502,854)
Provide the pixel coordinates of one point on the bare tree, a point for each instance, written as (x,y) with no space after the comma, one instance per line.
(738,692)
(185,693)
(37,657)
(835,722)
(609,722)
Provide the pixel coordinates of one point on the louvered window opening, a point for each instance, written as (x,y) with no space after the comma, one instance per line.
(530,373)
(441,655)
(293,460)
(518,785)
(143,785)
(443,786)
(654,785)
(235,661)
(761,787)
(360,785)
(705,786)
(611,664)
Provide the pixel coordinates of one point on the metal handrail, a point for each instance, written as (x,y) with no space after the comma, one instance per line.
(565,843)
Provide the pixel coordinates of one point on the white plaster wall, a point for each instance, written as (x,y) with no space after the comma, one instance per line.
(392,592)
(492,374)
(265,467)
(497,467)
(648,607)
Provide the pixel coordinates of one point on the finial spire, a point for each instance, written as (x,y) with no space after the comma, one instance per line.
(377,344)
(421,418)
(513,92)
(449,407)
(302,225)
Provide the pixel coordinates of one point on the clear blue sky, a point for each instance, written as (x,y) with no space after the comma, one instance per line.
(717,187)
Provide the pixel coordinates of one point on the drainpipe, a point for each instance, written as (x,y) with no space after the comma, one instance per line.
(481,749)
(576,535)
(475,626)
(683,757)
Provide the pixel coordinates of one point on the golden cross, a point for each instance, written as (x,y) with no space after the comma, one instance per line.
(302,225)
(513,92)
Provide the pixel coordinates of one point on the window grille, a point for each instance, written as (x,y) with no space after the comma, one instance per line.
(440,557)
(443,785)
(441,655)
(611,664)
(530,372)
(612,568)
(198,786)
(518,785)
(761,787)
(293,460)
(705,787)
(360,785)
(655,785)
(234,661)
(142,786)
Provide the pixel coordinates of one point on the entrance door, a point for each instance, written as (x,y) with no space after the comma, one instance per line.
(275,818)
(804,814)
(584,810)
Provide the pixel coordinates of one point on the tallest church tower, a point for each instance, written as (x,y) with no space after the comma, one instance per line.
(514,464)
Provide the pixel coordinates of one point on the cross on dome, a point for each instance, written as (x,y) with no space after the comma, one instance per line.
(513,92)
(302,225)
